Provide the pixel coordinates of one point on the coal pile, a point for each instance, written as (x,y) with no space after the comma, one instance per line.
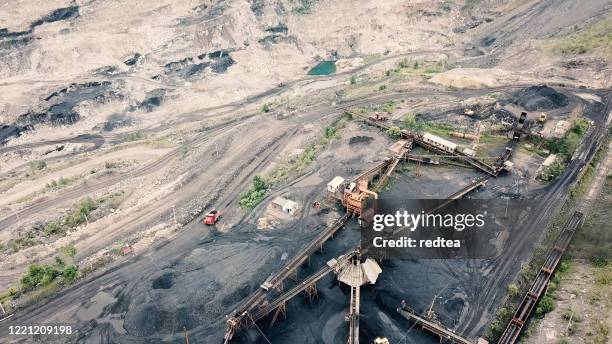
(280,28)
(8,131)
(189,68)
(221,63)
(360,140)
(142,320)
(164,281)
(59,107)
(185,68)
(257,7)
(10,39)
(134,60)
(152,100)
(269,40)
(115,121)
(473,52)
(106,71)
(540,98)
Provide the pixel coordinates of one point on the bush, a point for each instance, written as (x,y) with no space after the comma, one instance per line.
(389,106)
(68,250)
(265,108)
(53,228)
(570,314)
(604,277)
(601,256)
(330,131)
(38,165)
(382,87)
(110,164)
(411,123)
(394,132)
(581,127)
(135,136)
(553,171)
(563,266)
(70,272)
(255,194)
(353,80)
(596,36)
(59,261)
(566,146)
(546,305)
(38,274)
(513,290)
(44,274)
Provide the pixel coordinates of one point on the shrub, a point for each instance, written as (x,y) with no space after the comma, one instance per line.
(389,106)
(553,171)
(353,80)
(581,126)
(546,305)
(135,136)
(53,228)
(110,164)
(265,108)
(330,131)
(255,194)
(68,250)
(596,36)
(38,165)
(44,274)
(59,261)
(70,272)
(38,274)
(394,132)
(513,290)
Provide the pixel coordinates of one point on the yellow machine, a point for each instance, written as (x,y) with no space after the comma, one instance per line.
(542,118)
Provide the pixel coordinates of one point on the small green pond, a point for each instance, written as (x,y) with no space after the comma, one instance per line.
(323,68)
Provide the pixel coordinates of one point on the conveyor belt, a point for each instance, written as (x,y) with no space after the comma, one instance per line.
(514,328)
(435,328)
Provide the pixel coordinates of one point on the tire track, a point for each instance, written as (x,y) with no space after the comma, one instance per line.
(87,189)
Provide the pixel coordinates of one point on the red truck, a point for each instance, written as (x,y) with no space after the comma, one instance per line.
(212,217)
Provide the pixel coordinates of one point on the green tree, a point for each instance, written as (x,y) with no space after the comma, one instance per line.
(259,183)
